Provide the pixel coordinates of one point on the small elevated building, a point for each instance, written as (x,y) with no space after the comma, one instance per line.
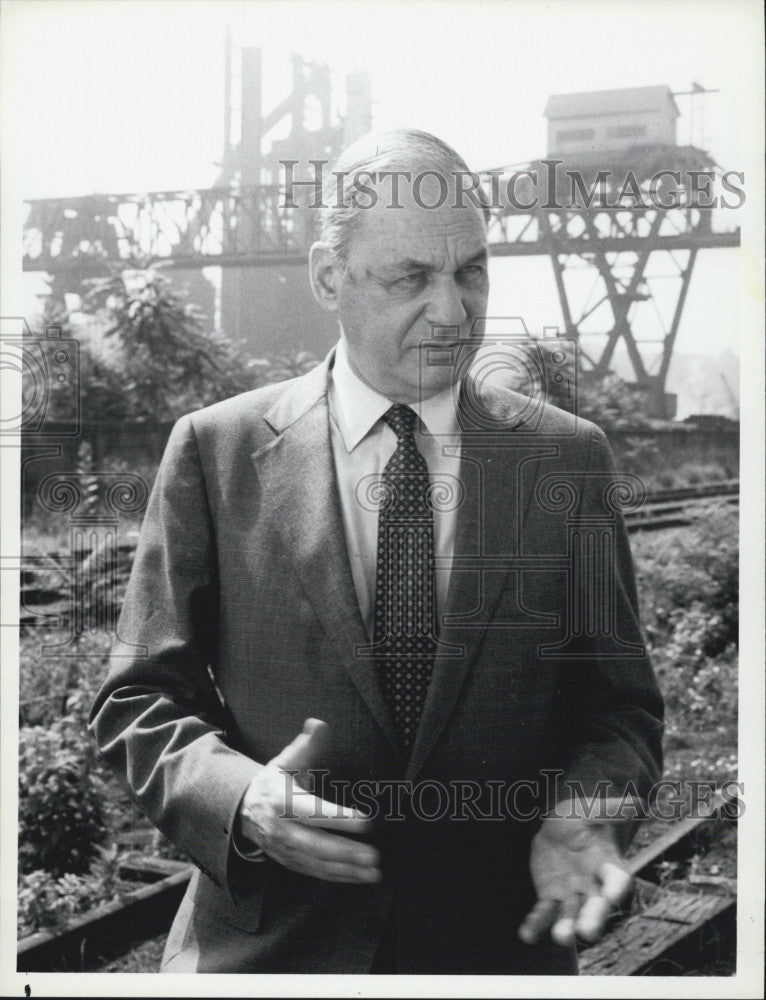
(599,121)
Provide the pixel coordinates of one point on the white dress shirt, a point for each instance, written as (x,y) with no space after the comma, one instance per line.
(362,444)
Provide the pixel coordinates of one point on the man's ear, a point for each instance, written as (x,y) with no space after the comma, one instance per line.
(323,274)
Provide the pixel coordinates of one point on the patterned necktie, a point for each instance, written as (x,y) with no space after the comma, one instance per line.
(404,631)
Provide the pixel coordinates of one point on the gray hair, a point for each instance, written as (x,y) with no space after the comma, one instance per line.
(400,149)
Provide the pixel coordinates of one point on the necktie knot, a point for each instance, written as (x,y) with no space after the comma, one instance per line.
(401,419)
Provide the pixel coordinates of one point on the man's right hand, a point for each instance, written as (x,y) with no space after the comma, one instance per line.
(291,826)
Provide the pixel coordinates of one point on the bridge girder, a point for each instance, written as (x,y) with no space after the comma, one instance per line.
(77,238)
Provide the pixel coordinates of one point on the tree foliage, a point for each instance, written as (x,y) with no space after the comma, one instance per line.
(152,357)
(612,404)
(158,361)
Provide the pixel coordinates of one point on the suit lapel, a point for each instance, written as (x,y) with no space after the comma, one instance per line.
(488,531)
(298,481)
(297,476)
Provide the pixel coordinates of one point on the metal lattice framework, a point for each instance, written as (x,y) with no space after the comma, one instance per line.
(617,245)
(213,226)
(597,229)
(617,213)
(252,228)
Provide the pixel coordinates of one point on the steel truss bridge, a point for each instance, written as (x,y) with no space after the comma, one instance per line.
(596,227)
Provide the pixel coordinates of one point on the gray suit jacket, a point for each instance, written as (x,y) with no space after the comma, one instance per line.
(242,575)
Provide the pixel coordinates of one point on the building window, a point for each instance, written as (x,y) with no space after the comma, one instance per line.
(575,134)
(625,131)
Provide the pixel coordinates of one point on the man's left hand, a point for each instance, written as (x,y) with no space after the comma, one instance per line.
(579,876)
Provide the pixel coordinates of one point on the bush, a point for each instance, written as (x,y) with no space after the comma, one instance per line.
(688,591)
(693,571)
(53,686)
(61,814)
(47,900)
(155,359)
(147,355)
(44,682)
(611,403)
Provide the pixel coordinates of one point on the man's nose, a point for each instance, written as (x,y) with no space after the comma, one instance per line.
(445,304)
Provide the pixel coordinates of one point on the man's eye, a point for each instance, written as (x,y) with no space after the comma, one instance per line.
(472,272)
(409,282)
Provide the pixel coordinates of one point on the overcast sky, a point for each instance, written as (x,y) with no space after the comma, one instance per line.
(127,95)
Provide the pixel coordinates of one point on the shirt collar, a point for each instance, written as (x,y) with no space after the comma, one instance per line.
(356,407)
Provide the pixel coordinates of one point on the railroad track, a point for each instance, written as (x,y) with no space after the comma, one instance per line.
(674,926)
(46,581)
(678,508)
(666,928)
(668,923)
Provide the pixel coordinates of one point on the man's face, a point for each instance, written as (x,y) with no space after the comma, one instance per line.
(412,270)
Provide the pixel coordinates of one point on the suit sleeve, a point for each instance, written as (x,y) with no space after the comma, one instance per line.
(157,719)
(611,709)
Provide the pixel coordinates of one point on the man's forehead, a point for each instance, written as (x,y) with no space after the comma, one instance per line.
(417,234)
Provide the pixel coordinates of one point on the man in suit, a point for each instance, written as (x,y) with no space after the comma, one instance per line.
(379,659)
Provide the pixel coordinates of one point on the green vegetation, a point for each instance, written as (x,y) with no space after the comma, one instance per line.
(48,901)
(688,592)
(154,358)
(156,362)
(61,817)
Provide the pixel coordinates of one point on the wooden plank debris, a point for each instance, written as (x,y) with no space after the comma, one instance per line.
(667,922)
(682,837)
(654,941)
(670,926)
(145,868)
